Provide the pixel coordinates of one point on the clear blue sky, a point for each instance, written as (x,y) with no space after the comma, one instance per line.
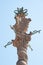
(9,56)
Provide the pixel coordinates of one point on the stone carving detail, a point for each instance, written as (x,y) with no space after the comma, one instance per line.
(22,39)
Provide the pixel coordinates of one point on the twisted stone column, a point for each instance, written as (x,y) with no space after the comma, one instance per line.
(22,56)
(22,38)
(21,42)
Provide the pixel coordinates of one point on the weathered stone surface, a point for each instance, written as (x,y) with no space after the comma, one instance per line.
(22,26)
(21,62)
(21,48)
(22,38)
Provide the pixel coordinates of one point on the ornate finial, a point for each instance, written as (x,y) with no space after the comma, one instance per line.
(21,11)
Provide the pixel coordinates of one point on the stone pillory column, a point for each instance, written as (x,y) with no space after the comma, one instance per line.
(22,38)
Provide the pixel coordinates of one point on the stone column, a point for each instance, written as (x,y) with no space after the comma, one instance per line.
(22,38)
(21,43)
(22,56)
